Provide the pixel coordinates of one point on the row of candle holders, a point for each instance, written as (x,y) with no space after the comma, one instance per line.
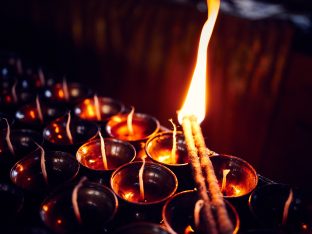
(51,141)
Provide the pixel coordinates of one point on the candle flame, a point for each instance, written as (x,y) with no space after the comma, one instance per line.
(14,92)
(42,163)
(129,121)
(7,137)
(224,175)
(75,199)
(103,153)
(141,182)
(65,89)
(188,230)
(69,135)
(287,205)
(39,109)
(194,103)
(97,108)
(198,206)
(174,141)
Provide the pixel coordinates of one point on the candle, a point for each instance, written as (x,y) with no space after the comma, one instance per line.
(41,171)
(143,126)
(159,183)
(68,134)
(178,213)
(98,109)
(97,206)
(238,177)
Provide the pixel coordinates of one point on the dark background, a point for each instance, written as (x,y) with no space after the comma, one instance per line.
(143,53)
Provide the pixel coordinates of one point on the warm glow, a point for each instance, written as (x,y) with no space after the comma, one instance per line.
(45,208)
(195,102)
(128,196)
(129,121)
(32,114)
(174,142)
(224,175)
(97,107)
(286,206)
(188,230)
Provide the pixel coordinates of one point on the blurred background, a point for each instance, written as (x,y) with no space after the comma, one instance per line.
(142,52)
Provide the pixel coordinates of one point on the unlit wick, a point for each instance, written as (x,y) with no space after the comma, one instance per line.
(41,77)
(39,110)
(97,108)
(103,153)
(14,92)
(75,199)
(225,173)
(42,163)
(174,142)
(129,121)
(287,205)
(69,135)
(141,182)
(198,206)
(7,137)
(65,89)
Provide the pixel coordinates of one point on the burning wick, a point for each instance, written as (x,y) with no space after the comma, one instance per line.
(65,89)
(39,109)
(97,108)
(174,142)
(225,173)
(7,137)
(188,230)
(198,206)
(41,77)
(103,151)
(142,196)
(286,206)
(42,163)
(69,135)
(14,91)
(129,121)
(75,199)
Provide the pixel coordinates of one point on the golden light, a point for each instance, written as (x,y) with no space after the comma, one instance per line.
(195,102)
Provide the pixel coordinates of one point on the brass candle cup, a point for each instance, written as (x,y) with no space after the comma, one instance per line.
(27,173)
(97,207)
(142,228)
(240,181)
(11,203)
(144,126)
(267,203)
(108,107)
(159,147)
(178,212)
(28,115)
(117,153)
(55,94)
(56,138)
(160,183)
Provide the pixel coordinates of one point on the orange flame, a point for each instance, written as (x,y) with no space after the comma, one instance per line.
(174,142)
(225,173)
(97,107)
(129,121)
(194,103)
(65,89)
(141,182)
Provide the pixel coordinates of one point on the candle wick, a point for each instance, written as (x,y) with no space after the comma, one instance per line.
(42,163)
(41,76)
(141,181)
(39,110)
(97,108)
(7,137)
(103,153)
(14,95)
(75,199)
(129,121)
(65,89)
(225,173)
(174,142)
(286,206)
(69,135)
(198,206)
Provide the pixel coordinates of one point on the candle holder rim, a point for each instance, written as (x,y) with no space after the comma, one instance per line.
(139,114)
(112,140)
(168,226)
(231,157)
(174,165)
(150,164)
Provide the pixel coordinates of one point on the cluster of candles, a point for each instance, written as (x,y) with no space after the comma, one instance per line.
(82,162)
